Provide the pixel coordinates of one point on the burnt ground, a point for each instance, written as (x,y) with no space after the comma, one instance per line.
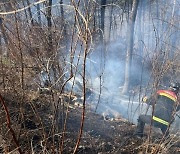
(100,135)
(112,136)
(38,132)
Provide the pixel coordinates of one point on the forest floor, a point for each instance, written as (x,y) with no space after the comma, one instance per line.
(114,136)
(100,135)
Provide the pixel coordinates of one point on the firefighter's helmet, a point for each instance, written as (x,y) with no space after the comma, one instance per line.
(174,86)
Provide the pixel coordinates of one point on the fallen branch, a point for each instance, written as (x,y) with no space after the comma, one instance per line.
(22,9)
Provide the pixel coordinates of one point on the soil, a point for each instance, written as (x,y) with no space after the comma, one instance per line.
(111,136)
(100,135)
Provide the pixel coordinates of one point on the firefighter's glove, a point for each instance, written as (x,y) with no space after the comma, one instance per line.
(144,99)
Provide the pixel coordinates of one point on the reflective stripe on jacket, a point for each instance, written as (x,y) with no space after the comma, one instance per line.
(160,120)
(167,93)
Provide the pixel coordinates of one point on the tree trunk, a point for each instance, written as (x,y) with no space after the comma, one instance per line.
(3,32)
(139,29)
(130,42)
(30,13)
(39,14)
(174,37)
(63,23)
(50,38)
(110,20)
(49,23)
(103,6)
(149,28)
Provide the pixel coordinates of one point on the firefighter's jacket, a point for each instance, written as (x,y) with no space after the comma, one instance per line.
(165,106)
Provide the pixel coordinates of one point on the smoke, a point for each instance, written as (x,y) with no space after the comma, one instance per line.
(106,65)
(105,77)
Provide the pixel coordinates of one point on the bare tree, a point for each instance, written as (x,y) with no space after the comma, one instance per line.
(63,21)
(30,13)
(103,6)
(39,14)
(130,43)
(4,36)
(49,24)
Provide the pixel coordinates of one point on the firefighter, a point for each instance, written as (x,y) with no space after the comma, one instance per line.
(165,105)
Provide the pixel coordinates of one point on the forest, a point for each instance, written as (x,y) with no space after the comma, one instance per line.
(73,74)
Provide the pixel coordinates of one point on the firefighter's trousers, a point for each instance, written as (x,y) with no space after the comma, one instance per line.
(147,119)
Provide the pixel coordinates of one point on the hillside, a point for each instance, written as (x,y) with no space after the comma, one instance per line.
(39,133)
